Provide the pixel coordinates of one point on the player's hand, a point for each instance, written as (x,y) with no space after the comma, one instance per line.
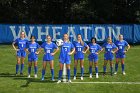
(112,52)
(124,51)
(17,49)
(52,54)
(83,52)
(37,53)
(70,53)
(96,53)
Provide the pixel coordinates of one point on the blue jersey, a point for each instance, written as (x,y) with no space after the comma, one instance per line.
(93,48)
(121,46)
(22,43)
(108,48)
(78,50)
(65,49)
(48,49)
(32,48)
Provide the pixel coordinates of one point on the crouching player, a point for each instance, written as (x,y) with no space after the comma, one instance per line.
(120,54)
(94,49)
(50,50)
(67,49)
(110,48)
(33,49)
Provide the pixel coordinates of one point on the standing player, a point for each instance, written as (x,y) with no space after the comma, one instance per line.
(67,49)
(21,54)
(94,49)
(120,54)
(48,57)
(33,49)
(110,48)
(79,55)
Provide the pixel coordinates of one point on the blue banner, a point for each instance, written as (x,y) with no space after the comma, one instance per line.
(9,32)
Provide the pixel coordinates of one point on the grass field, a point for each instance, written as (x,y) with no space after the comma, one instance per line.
(21,84)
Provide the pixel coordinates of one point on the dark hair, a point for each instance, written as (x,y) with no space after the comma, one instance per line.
(32,37)
(94,39)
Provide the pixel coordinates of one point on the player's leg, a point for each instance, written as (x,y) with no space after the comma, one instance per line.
(111,67)
(29,68)
(68,72)
(116,65)
(60,72)
(23,55)
(122,64)
(52,69)
(96,68)
(90,68)
(104,67)
(82,68)
(17,65)
(75,68)
(22,65)
(43,69)
(35,69)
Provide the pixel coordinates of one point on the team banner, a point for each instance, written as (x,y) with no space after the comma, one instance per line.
(9,32)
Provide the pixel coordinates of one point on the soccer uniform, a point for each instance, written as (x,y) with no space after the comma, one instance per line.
(93,48)
(78,50)
(64,57)
(32,48)
(48,49)
(121,48)
(108,48)
(22,43)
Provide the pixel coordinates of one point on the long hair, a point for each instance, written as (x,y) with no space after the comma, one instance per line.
(110,39)
(23,32)
(82,42)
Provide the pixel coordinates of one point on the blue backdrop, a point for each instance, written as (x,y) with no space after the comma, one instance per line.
(9,32)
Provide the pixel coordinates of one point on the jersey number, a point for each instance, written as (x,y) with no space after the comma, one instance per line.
(48,51)
(32,50)
(79,49)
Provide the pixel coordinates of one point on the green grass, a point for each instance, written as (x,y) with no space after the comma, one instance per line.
(18,84)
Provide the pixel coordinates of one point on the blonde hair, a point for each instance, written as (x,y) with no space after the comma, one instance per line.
(82,42)
(23,32)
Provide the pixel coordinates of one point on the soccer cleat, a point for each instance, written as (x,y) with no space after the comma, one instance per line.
(104,73)
(115,73)
(16,74)
(74,78)
(82,78)
(42,79)
(124,73)
(90,76)
(21,74)
(59,81)
(35,75)
(53,79)
(97,75)
(69,81)
(29,76)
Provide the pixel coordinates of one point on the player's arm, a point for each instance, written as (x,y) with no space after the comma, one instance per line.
(128,47)
(13,44)
(38,50)
(87,48)
(55,51)
(115,50)
(73,50)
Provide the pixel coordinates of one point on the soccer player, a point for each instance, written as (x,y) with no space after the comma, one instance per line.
(67,49)
(94,49)
(80,49)
(33,49)
(110,48)
(50,50)
(120,54)
(21,54)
